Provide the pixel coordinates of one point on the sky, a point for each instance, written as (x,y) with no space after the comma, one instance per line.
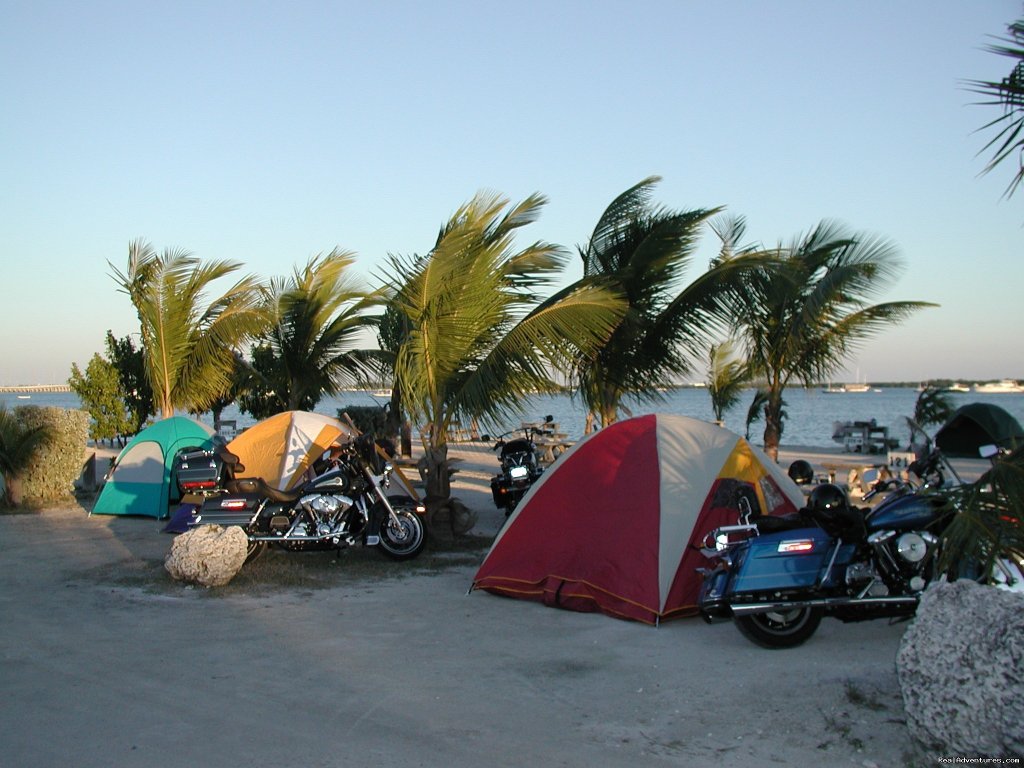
(268,132)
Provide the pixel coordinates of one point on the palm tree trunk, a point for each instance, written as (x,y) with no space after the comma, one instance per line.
(773,424)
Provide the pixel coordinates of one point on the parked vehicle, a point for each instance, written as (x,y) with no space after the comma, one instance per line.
(520,466)
(344,505)
(777,577)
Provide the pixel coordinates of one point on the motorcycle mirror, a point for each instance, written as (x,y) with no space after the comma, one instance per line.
(548,419)
(988,451)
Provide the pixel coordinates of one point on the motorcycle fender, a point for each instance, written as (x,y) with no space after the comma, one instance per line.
(783,561)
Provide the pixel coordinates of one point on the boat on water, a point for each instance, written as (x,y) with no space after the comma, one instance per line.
(845,388)
(998,387)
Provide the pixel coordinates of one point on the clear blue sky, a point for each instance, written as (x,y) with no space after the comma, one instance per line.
(266,132)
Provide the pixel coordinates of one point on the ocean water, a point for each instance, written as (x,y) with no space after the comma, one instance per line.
(812,413)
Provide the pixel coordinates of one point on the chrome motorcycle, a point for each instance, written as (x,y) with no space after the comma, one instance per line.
(345,504)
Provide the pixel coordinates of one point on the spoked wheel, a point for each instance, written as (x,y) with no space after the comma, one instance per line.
(780,629)
(254,550)
(402,538)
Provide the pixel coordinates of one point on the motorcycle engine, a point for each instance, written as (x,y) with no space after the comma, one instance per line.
(326,510)
(905,556)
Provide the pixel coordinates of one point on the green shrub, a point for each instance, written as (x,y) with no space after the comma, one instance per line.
(367,418)
(57,463)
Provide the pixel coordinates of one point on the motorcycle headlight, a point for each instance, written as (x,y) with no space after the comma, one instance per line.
(519,473)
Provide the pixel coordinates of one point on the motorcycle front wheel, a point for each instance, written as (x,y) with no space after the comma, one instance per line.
(780,629)
(404,538)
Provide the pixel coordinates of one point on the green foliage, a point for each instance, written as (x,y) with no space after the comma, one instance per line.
(1008,95)
(136,392)
(641,251)
(479,338)
(370,419)
(757,407)
(808,308)
(727,379)
(990,521)
(189,343)
(934,405)
(55,461)
(99,389)
(259,394)
(19,444)
(313,346)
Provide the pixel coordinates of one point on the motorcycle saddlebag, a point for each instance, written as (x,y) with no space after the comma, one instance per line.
(234,509)
(782,561)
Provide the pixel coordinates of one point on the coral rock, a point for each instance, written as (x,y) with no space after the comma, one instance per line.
(208,555)
(961,670)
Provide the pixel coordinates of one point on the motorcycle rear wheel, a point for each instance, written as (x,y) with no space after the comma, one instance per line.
(405,538)
(780,629)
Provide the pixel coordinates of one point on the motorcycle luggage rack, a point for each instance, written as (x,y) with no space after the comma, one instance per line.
(718,539)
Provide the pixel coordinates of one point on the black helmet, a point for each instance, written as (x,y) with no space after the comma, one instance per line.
(801,472)
(829,509)
(827,499)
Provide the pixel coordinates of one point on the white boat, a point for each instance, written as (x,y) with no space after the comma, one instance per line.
(958,387)
(999,387)
(832,390)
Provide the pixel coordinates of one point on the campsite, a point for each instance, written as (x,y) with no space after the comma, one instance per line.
(413,667)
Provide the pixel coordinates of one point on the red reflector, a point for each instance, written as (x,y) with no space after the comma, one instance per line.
(233,504)
(796,545)
(199,484)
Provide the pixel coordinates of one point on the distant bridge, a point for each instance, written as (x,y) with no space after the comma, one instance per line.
(38,388)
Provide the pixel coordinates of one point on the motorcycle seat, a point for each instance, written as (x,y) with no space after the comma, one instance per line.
(259,486)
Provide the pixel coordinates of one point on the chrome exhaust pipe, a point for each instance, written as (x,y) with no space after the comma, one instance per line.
(750,609)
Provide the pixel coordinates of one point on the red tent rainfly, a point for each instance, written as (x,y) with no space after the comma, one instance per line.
(616,525)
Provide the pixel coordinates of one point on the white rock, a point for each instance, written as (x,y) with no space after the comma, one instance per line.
(961,670)
(208,555)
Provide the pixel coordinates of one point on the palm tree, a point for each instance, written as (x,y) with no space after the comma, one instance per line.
(727,378)
(800,316)
(189,347)
(316,339)
(1008,94)
(478,337)
(989,524)
(641,251)
(18,445)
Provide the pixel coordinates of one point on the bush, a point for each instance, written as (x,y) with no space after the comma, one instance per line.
(367,418)
(58,461)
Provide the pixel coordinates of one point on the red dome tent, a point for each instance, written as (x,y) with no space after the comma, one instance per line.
(616,524)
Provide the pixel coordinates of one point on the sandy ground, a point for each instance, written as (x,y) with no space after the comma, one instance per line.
(404,672)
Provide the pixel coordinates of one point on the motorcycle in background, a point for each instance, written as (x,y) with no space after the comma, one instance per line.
(346,505)
(520,466)
(777,577)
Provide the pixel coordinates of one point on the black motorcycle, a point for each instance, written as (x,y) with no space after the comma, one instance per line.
(777,577)
(520,466)
(343,505)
